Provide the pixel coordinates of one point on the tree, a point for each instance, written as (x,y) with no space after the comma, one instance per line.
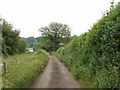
(11,41)
(54,34)
(0,36)
(10,38)
(22,46)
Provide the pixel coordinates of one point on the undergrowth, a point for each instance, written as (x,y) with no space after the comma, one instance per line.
(23,69)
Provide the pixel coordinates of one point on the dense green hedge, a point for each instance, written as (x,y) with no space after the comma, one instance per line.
(94,56)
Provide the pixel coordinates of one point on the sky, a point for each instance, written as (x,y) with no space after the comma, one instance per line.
(30,15)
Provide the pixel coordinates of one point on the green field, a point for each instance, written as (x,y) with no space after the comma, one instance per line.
(23,69)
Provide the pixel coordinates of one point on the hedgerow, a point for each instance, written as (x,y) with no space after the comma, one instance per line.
(93,57)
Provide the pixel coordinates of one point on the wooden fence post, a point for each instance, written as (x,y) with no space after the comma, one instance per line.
(4,68)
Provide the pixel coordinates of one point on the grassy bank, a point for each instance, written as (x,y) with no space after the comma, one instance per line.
(23,69)
(93,57)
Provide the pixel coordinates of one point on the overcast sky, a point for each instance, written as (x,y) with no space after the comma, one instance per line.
(30,15)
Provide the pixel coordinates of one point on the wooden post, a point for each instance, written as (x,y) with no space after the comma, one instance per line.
(4,68)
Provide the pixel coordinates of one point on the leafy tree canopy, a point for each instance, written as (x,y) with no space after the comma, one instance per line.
(53,34)
(11,41)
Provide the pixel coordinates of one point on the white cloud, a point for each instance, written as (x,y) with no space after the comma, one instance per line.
(30,15)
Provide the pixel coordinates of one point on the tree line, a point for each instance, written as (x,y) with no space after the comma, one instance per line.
(32,41)
(53,36)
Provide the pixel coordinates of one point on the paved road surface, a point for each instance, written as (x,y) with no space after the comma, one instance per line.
(56,75)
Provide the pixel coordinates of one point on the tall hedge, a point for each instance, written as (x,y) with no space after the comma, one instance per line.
(94,56)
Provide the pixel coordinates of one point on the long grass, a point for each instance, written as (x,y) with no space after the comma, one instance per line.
(23,69)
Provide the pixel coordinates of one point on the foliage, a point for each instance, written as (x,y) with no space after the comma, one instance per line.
(22,46)
(54,34)
(11,40)
(0,37)
(41,51)
(0,44)
(32,41)
(94,56)
(23,69)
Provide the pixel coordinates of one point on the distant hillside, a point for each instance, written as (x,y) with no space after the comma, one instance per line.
(32,41)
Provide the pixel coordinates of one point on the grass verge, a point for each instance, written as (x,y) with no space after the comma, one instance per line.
(23,69)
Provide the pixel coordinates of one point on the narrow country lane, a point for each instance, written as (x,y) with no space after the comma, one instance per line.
(56,75)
